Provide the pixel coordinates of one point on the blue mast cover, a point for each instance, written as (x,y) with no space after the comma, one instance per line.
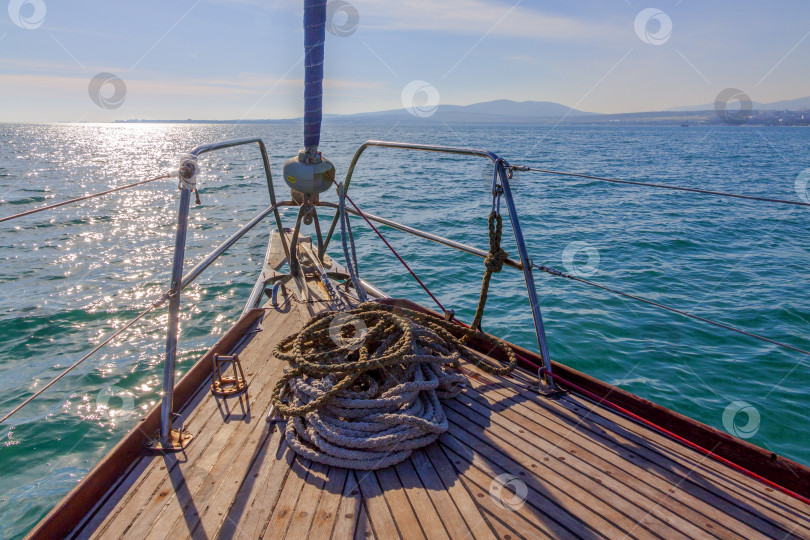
(314,37)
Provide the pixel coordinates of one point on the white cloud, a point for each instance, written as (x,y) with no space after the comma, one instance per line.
(473,17)
(244,84)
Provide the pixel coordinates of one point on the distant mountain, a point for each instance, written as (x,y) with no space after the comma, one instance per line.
(799,104)
(490,112)
(520,109)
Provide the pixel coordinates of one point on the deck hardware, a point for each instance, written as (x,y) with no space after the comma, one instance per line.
(545,389)
(309,255)
(180,282)
(223,386)
(273,293)
(188,175)
(177,440)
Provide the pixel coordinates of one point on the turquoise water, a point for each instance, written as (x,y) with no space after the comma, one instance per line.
(70,277)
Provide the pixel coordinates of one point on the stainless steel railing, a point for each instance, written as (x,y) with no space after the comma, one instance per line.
(180,282)
(500,185)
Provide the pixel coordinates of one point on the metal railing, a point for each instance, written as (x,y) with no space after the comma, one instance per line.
(500,185)
(500,181)
(180,282)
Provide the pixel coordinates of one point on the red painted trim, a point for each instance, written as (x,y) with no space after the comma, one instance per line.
(676,437)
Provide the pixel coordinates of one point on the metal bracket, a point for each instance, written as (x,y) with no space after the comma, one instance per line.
(178,439)
(224,387)
(273,294)
(546,386)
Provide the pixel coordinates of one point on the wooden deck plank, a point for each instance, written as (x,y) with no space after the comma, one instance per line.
(198,413)
(242,440)
(364,528)
(195,411)
(379,513)
(478,482)
(328,512)
(560,513)
(282,514)
(589,473)
(147,493)
(266,458)
(428,518)
(549,471)
(529,434)
(270,481)
(449,514)
(349,520)
(199,477)
(588,455)
(733,484)
(308,502)
(464,500)
(399,504)
(114,499)
(695,476)
(737,488)
(217,507)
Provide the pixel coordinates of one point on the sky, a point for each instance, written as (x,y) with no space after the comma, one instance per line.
(105,60)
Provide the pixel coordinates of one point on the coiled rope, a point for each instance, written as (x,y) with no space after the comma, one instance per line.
(365,400)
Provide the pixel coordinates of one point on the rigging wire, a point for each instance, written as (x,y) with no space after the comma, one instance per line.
(75,364)
(347,239)
(555,272)
(661,186)
(83,198)
(408,268)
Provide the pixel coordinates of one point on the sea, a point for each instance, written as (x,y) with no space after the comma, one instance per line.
(72,276)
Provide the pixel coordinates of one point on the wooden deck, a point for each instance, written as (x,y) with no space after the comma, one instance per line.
(584,471)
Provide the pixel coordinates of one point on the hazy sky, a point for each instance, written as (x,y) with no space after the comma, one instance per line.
(223,59)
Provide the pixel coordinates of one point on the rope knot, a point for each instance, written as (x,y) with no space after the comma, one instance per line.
(494,260)
(496,257)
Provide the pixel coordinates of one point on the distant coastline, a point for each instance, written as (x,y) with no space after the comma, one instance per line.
(541,113)
(663,118)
